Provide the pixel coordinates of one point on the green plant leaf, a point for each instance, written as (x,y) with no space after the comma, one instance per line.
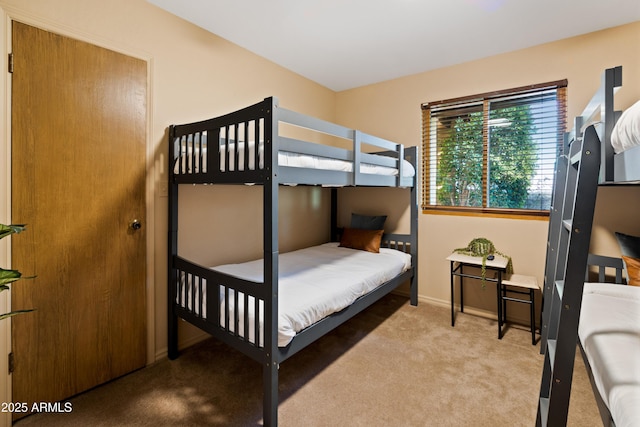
(6,230)
(9,276)
(13,313)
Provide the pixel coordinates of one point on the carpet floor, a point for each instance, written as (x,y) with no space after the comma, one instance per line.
(392,365)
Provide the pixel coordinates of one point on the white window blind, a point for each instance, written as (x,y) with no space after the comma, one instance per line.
(494,151)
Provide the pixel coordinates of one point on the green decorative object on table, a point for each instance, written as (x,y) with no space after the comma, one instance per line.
(10,276)
(481,247)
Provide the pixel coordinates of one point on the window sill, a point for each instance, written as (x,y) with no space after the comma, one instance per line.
(487,212)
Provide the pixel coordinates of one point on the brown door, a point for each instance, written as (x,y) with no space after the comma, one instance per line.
(78,182)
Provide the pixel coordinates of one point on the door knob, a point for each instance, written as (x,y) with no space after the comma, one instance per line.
(135,224)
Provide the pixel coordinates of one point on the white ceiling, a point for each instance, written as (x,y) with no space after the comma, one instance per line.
(343,44)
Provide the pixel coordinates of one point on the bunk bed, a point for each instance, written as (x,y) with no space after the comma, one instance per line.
(606,326)
(257,307)
(609,331)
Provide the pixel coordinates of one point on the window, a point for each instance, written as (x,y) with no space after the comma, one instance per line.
(493,152)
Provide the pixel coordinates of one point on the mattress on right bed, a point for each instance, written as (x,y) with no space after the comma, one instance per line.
(626,133)
(609,332)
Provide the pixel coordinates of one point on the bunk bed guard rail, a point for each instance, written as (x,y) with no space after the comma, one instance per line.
(249,142)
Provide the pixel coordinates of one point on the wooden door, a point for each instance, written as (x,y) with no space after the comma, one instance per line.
(78,181)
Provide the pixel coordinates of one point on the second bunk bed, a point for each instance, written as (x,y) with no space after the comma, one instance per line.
(609,331)
(607,328)
(271,308)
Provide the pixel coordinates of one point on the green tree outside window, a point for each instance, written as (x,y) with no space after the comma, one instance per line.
(494,151)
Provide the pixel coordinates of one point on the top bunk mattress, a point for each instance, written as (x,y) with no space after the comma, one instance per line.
(626,132)
(625,141)
(193,160)
(609,332)
(313,283)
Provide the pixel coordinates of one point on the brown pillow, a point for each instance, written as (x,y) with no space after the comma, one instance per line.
(364,240)
(633,270)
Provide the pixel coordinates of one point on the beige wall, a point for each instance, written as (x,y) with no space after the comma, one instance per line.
(226,77)
(392,110)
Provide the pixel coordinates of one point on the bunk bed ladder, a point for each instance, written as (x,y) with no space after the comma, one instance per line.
(580,189)
(553,240)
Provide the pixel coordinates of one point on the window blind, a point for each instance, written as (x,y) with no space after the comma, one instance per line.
(494,151)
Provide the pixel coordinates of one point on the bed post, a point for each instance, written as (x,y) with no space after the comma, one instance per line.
(172,327)
(611,81)
(412,156)
(334,214)
(270,235)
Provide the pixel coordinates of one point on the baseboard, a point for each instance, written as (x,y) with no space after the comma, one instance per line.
(447,304)
(163,353)
(467,309)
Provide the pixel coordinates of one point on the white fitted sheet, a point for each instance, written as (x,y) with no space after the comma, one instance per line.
(193,164)
(626,133)
(609,332)
(313,283)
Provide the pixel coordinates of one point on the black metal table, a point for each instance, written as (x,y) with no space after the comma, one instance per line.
(459,261)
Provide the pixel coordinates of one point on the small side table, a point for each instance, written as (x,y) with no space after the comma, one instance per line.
(459,261)
(522,285)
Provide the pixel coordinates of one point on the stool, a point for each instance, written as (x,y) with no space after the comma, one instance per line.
(522,285)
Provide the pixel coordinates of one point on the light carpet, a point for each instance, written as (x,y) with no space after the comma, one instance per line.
(392,365)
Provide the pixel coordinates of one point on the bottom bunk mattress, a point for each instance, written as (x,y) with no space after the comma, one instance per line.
(609,333)
(313,283)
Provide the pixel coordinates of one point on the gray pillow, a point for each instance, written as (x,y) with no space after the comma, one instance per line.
(629,245)
(368,222)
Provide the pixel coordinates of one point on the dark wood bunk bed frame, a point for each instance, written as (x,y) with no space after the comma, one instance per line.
(569,263)
(263,119)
